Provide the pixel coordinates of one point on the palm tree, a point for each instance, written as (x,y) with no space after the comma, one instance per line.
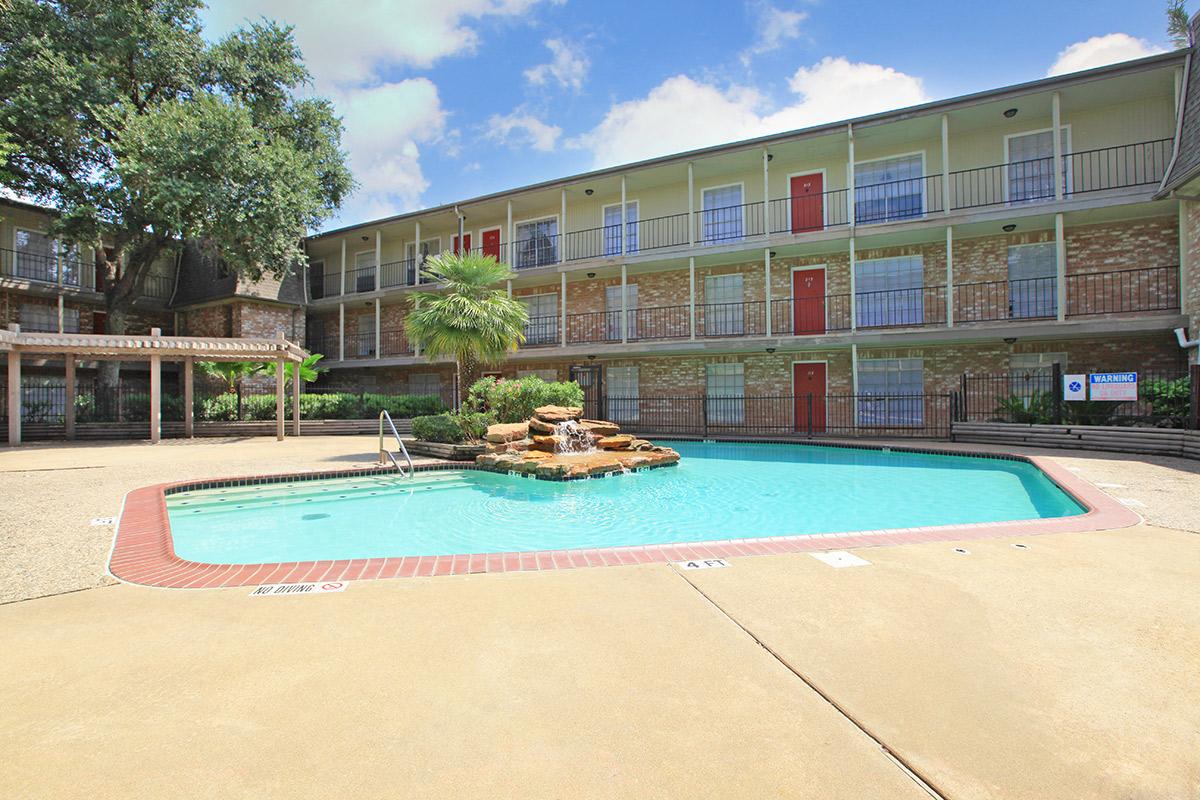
(471,320)
(231,372)
(308,369)
(1178,24)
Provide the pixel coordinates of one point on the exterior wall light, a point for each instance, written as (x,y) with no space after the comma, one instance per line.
(1009,228)
(591,274)
(770,349)
(1010,113)
(589,192)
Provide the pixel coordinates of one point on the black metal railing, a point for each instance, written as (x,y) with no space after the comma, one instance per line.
(656,233)
(541,250)
(394,343)
(728,224)
(799,415)
(1036,397)
(901,308)
(360,345)
(332,284)
(714,320)
(808,213)
(994,301)
(810,316)
(1122,291)
(43,268)
(542,332)
(1120,167)
(897,201)
(158,287)
(397,273)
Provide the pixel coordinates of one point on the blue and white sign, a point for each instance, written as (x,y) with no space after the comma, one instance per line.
(1118,386)
(1074,387)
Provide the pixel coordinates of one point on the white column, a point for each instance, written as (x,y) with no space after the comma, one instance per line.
(60,313)
(691,207)
(378,259)
(767,291)
(949,277)
(1060,258)
(279,395)
(692,295)
(624,304)
(850,180)
(562,229)
(512,259)
(341,331)
(189,392)
(508,288)
(946,163)
(1056,114)
(562,312)
(854,378)
(853,298)
(766,209)
(621,217)
(417,257)
(69,409)
(14,395)
(417,345)
(155,398)
(378,320)
(343,290)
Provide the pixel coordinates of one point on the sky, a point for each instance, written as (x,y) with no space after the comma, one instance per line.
(444,100)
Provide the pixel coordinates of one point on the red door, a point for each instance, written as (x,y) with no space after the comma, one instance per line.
(808,202)
(491,243)
(808,379)
(466,240)
(808,302)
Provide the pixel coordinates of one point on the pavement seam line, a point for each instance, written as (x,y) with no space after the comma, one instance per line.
(895,758)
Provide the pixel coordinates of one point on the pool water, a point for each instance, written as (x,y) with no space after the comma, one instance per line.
(718,491)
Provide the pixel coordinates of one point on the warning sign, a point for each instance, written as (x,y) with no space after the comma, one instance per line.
(299,588)
(1113,385)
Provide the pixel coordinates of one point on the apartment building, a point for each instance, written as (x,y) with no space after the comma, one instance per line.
(1011,228)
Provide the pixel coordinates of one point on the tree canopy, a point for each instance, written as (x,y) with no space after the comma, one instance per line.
(143,134)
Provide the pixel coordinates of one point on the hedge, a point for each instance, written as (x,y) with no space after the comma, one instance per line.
(515,400)
(135,407)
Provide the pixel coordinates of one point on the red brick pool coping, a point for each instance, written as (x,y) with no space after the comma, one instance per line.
(143,552)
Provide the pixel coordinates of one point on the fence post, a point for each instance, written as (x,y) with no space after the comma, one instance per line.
(704,413)
(965,412)
(1057,389)
(810,410)
(238,387)
(1194,380)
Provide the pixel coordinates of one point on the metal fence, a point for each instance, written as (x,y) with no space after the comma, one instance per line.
(804,415)
(1035,396)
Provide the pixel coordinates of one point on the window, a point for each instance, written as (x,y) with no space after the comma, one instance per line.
(550,375)
(889,189)
(1032,280)
(365,340)
(36,317)
(612,228)
(888,291)
(34,256)
(428,383)
(890,391)
(1025,361)
(723,309)
(726,390)
(621,392)
(1030,158)
(612,305)
(429,247)
(537,243)
(542,327)
(364,271)
(721,213)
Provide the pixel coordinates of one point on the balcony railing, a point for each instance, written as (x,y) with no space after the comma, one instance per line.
(1012,184)
(394,343)
(360,345)
(42,268)
(158,286)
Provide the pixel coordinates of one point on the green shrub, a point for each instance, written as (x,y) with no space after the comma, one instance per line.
(474,424)
(438,428)
(1169,398)
(515,400)
(1032,409)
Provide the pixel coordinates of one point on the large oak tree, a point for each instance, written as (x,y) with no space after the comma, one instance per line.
(143,134)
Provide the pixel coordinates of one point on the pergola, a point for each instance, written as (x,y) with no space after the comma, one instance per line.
(155,347)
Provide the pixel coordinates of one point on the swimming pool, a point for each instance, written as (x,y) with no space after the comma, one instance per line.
(718,491)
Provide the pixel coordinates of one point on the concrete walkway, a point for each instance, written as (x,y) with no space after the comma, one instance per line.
(1063,669)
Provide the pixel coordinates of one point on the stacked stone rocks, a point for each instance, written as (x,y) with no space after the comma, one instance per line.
(535,447)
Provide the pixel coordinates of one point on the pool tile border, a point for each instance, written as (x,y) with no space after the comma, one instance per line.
(143,552)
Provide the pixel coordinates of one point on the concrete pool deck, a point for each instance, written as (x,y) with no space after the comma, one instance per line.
(1067,669)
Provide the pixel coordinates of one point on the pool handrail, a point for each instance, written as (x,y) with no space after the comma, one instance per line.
(412,471)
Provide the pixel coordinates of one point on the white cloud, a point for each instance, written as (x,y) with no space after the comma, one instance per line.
(1099,51)
(682,113)
(386,126)
(568,67)
(519,128)
(774,27)
(354,43)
